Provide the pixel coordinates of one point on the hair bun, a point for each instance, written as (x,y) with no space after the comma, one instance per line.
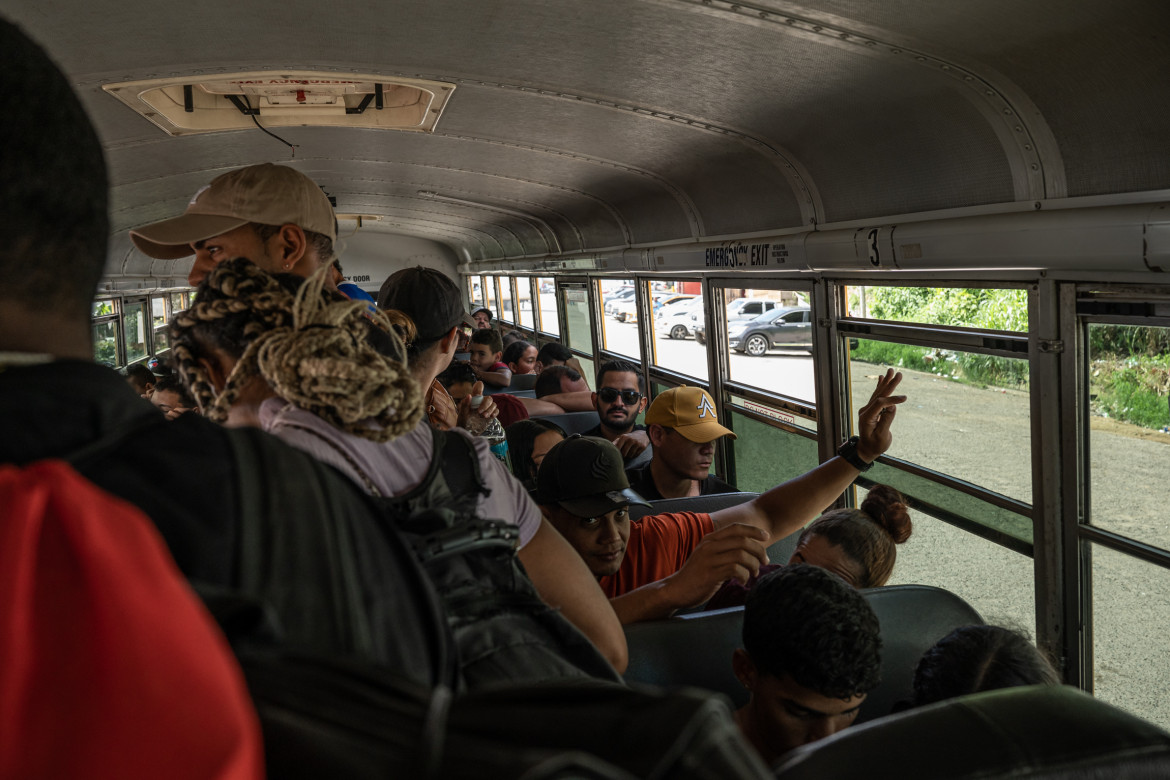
(887,507)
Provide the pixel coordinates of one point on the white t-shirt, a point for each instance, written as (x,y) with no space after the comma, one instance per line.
(398,465)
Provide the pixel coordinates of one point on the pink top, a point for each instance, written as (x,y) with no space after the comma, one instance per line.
(400,464)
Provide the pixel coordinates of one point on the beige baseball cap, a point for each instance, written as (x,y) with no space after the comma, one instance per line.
(690,411)
(268,194)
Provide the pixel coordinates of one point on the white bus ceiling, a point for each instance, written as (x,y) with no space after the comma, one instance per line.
(596,131)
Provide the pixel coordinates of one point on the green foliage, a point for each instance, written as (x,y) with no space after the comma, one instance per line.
(957,306)
(965,367)
(1134,390)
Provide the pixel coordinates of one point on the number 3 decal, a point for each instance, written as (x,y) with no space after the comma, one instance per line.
(874,259)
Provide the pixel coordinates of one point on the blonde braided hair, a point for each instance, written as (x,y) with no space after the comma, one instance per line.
(311,350)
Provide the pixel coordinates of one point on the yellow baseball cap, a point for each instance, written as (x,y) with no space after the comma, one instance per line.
(690,411)
(266,194)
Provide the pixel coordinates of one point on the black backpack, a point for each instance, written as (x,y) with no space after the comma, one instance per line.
(503,631)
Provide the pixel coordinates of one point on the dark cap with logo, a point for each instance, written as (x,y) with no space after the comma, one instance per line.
(586,476)
(428,297)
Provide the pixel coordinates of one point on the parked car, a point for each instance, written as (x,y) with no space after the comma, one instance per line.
(627,311)
(779,328)
(674,320)
(609,305)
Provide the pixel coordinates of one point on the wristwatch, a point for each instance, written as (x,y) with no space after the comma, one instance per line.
(848,451)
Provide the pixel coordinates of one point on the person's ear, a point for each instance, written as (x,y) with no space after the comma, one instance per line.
(448,342)
(657,434)
(642,404)
(593,400)
(290,245)
(537,367)
(744,669)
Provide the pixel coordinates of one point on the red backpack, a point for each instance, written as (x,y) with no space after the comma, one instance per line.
(110,667)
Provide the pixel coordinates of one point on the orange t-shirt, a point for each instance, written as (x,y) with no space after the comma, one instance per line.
(659,545)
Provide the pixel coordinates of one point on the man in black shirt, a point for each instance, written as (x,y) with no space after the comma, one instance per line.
(619,399)
(683,428)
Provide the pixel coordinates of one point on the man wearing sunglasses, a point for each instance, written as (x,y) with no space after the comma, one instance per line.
(619,400)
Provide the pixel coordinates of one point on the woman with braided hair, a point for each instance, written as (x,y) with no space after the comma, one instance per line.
(283,354)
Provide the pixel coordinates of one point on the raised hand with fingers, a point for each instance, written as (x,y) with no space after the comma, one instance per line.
(874,419)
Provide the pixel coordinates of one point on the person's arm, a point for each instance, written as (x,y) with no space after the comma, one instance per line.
(576,401)
(735,551)
(500,377)
(788,507)
(564,582)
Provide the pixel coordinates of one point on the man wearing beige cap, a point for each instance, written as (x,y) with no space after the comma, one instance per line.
(273,215)
(683,428)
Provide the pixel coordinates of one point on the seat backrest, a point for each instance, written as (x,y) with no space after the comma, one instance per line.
(913,618)
(695,649)
(524,381)
(692,650)
(574,422)
(1037,732)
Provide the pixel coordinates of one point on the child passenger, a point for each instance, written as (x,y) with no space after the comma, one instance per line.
(520,357)
(486,349)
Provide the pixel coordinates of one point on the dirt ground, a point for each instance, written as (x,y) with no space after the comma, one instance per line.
(983,436)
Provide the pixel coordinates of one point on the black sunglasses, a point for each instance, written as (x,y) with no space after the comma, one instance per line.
(609,395)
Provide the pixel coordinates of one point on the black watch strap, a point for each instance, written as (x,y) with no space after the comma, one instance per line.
(848,451)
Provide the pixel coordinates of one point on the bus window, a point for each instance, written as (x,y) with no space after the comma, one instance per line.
(770,340)
(547,301)
(618,335)
(673,305)
(970,414)
(136,326)
(158,323)
(524,300)
(507,303)
(105,342)
(1131,623)
(1129,429)
(765,455)
(490,296)
(968,307)
(574,298)
(994,580)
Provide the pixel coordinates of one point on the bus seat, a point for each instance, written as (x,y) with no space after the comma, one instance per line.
(692,650)
(1034,732)
(524,382)
(522,393)
(913,618)
(573,422)
(695,649)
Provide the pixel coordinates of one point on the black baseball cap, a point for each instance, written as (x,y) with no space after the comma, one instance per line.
(586,476)
(428,297)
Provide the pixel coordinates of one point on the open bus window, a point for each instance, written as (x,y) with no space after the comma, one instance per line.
(105,343)
(770,341)
(616,297)
(1129,429)
(674,305)
(965,307)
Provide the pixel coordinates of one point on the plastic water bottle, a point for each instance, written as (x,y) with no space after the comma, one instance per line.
(494,434)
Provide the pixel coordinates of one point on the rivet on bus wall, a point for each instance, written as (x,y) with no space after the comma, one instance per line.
(1037,205)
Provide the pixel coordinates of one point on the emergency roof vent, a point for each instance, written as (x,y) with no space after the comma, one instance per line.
(287,98)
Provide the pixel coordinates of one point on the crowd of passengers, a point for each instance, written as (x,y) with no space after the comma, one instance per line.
(362,406)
